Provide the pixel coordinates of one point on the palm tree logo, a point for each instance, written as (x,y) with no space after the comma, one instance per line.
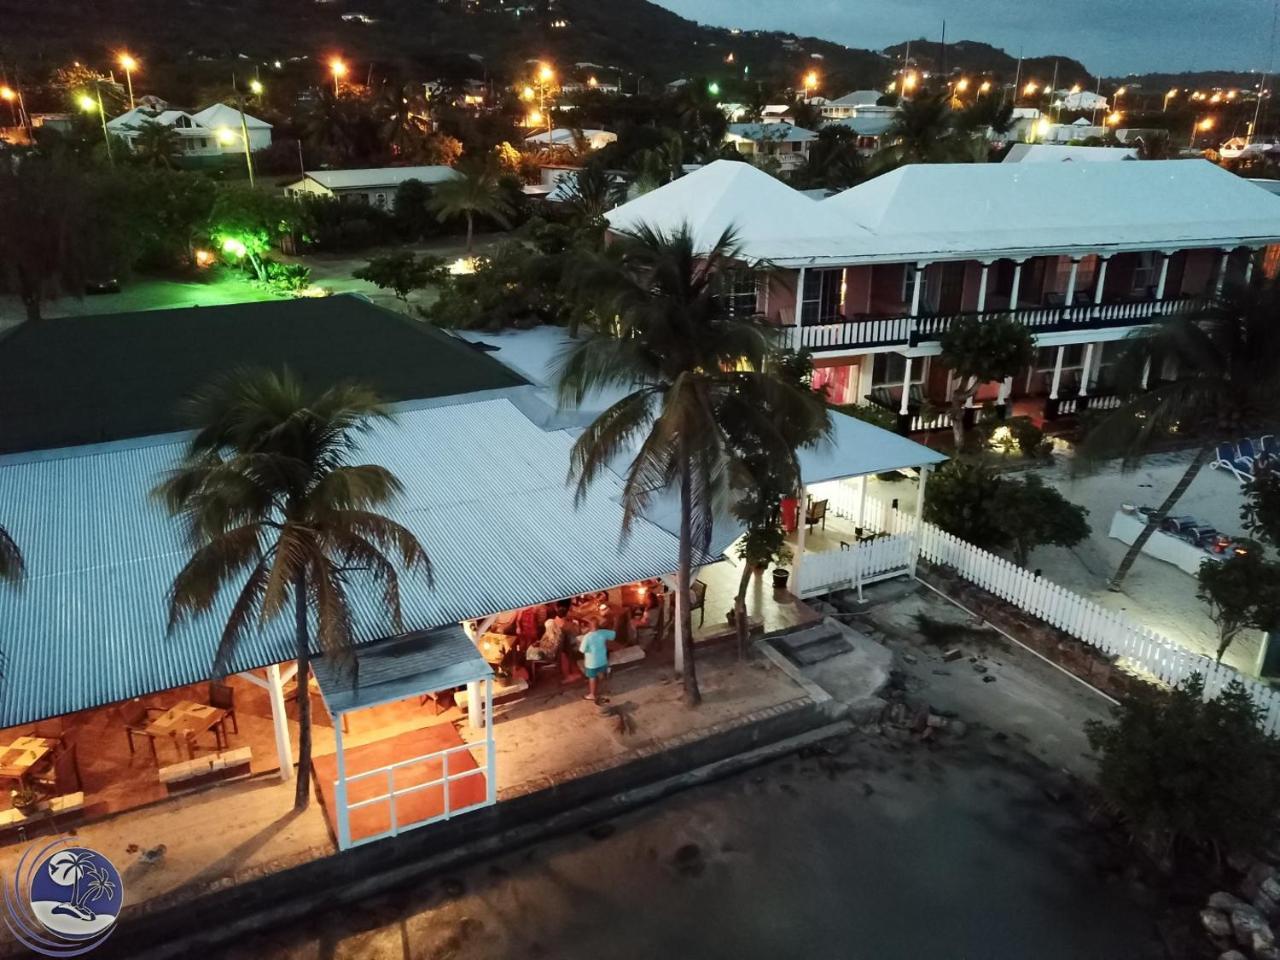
(76,893)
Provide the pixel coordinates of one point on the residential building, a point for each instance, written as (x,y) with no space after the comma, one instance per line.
(1055,153)
(783,142)
(871,131)
(197,144)
(566,137)
(1081,100)
(375,186)
(219,117)
(1083,253)
(859,103)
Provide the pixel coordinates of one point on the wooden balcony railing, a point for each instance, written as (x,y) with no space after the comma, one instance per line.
(873,331)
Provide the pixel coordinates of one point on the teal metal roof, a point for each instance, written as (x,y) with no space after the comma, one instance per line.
(485,493)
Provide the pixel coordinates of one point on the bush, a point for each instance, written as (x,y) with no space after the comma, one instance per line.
(343,225)
(287,277)
(872,413)
(1185,773)
(1029,438)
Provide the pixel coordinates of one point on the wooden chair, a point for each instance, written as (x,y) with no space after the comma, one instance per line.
(223,696)
(816,514)
(699,591)
(136,718)
(63,776)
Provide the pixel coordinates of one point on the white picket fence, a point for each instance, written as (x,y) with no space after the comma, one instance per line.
(1113,633)
(854,566)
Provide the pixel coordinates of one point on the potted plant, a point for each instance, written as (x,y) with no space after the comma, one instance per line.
(24,800)
(781,575)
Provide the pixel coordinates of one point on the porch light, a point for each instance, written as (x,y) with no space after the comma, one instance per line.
(546,74)
(87,103)
(713,88)
(593,82)
(6,93)
(225,136)
(234,247)
(203,258)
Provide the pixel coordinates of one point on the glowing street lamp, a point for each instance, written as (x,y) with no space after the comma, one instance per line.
(94,105)
(527,93)
(1030,89)
(985,87)
(1113,118)
(1167,97)
(1203,125)
(592,82)
(256,88)
(810,82)
(534,118)
(10,96)
(546,74)
(339,70)
(225,136)
(128,64)
(713,88)
(962,85)
(908,82)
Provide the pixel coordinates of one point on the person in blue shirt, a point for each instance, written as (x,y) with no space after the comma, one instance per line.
(595,660)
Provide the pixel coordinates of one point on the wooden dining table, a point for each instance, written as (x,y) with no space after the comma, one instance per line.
(188,719)
(19,758)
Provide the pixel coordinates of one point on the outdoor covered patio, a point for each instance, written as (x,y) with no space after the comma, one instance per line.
(838,530)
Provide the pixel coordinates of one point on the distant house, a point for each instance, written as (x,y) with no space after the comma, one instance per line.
(198,145)
(376,187)
(784,142)
(1082,100)
(565,137)
(860,103)
(1080,129)
(219,117)
(870,130)
(1055,153)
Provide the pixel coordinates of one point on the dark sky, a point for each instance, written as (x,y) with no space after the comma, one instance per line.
(1111,36)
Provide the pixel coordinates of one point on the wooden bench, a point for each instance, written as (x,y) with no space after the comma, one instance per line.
(67,803)
(227,765)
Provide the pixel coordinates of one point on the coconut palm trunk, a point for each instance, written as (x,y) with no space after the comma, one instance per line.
(302,797)
(742,628)
(692,696)
(471,231)
(1153,524)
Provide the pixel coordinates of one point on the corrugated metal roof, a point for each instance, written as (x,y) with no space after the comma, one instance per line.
(400,667)
(485,493)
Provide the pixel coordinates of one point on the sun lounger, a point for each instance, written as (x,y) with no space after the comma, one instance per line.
(1230,460)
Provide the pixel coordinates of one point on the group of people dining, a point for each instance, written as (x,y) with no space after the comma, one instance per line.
(575,635)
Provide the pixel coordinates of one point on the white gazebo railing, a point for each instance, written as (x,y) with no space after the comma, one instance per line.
(853,567)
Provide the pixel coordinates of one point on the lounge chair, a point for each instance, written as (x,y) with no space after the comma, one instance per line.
(1268,444)
(1245,450)
(881,397)
(1228,459)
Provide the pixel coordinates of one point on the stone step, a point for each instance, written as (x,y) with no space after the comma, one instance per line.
(804,648)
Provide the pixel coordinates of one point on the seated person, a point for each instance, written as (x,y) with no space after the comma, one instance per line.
(645,620)
(529,626)
(551,645)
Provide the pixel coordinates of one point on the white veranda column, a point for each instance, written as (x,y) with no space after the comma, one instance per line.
(1248,267)
(802,510)
(1071,282)
(1088,369)
(1006,387)
(904,408)
(1102,281)
(798,333)
(475,712)
(982,286)
(1164,276)
(491,781)
(862,504)
(280,720)
(340,788)
(919,522)
(1057,374)
(917,290)
(1221,280)
(1017,285)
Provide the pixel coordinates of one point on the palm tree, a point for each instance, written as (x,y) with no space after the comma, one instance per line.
(475,192)
(403,121)
(157,145)
(922,128)
(591,193)
(696,374)
(271,502)
(1227,386)
(12,566)
(327,127)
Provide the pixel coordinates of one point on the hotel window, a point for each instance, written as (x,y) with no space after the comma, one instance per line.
(1072,356)
(887,369)
(908,282)
(741,289)
(1144,271)
(822,298)
(380,200)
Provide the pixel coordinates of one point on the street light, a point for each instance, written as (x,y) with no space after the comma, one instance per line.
(1113,118)
(339,70)
(810,82)
(1167,97)
(128,64)
(908,81)
(546,74)
(1201,126)
(1030,89)
(962,85)
(94,105)
(255,87)
(985,87)
(225,136)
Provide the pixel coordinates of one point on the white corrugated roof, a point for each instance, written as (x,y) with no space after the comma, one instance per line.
(485,492)
(221,115)
(859,98)
(380,176)
(1054,153)
(134,118)
(771,220)
(940,209)
(771,132)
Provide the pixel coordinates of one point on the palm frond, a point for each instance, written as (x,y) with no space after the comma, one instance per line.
(12,566)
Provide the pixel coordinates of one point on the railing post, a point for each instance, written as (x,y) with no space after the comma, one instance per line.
(1101,286)
(1017,284)
(1164,276)
(1070,298)
(982,286)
